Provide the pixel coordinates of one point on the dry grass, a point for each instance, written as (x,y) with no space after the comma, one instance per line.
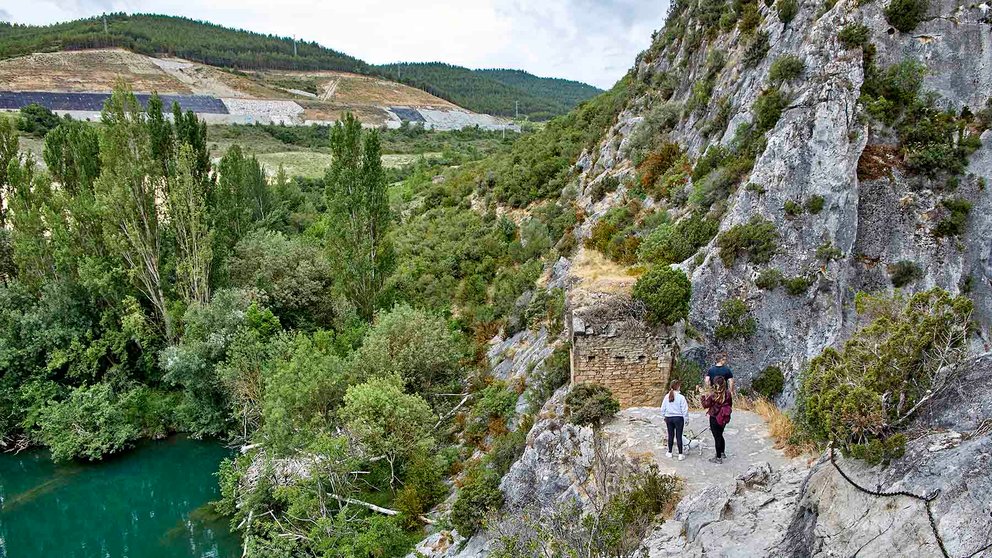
(780,425)
(598,274)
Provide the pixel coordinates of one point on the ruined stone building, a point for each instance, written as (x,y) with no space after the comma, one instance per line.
(613,347)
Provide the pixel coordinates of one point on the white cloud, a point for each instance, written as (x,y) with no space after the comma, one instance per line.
(588,40)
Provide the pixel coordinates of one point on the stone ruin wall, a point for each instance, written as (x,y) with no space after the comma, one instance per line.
(620,353)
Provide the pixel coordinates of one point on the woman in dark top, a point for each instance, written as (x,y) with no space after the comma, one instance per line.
(719,405)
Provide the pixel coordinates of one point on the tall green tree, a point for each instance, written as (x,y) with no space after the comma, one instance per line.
(192,131)
(187,201)
(8,152)
(130,189)
(160,131)
(31,251)
(241,200)
(359,207)
(72,154)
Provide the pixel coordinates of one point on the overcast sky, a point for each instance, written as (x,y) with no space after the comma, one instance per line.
(594,41)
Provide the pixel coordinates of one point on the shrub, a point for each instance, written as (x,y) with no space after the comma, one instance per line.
(814,205)
(792,208)
(689,373)
(904,272)
(756,50)
(555,372)
(769,279)
(590,405)
(603,187)
(668,244)
(786,68)
(955,222)
(750,19)
(37,120)
(787,10)
(479,496)
(905,15)
(665,292)
(854,35)
(828,252)
(769,382)
(657,163)
(91,422)
(496,404)
(768,109)
(861,394)
(735,320)
(797,285)
(757,239)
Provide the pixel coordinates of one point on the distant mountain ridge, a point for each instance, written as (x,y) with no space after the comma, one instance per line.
(504,92)
(497,91)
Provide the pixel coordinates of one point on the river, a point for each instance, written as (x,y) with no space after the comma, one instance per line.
(150,502)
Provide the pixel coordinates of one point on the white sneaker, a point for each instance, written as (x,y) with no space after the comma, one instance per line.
(681,457)
(668,454)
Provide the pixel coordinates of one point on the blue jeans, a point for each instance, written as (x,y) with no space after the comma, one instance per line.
(675,426)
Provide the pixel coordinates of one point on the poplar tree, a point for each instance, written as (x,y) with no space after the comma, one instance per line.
(190,225)
(8,152)
(359,207)
(129,191)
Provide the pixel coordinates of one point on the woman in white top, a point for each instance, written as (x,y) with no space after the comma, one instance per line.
(675,409)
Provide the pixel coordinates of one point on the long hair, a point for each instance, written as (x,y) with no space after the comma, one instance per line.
(719,389)
(675,385)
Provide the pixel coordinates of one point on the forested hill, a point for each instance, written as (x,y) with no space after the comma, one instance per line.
(488,91)
(495,91)
(177,36)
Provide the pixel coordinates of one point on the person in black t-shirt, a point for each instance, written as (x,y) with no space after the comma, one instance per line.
(721,369)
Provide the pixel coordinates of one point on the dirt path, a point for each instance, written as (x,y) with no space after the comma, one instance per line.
(643,431)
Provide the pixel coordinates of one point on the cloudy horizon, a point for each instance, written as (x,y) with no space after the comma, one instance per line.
(584,40)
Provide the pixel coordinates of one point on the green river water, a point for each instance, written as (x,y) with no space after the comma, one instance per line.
(150,502)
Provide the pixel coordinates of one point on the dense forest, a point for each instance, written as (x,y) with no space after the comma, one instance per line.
(176,36)
(488,91)
(145,290)
(500,92)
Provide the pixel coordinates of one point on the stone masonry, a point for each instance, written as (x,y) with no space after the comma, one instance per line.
(613,347)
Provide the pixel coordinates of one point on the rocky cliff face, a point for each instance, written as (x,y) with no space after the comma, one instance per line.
(875,214)
(814,150)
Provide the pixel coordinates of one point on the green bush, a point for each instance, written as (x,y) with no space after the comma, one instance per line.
(37,120)
(792,208)
(814,205)
(554,373)
(590,405)
(479,496)
(769,383)
(905,15)
(91,422)
(786,68)
(756,50)
(603,187)
(904,272)
(735,320)
(854,35)
(665,292)
(768,109)
(750,18)
(828,252)
(955,222)
(757,239)
(856,395)
(787,10)
(797,285)
(668,244)
(769,279)
(689,373)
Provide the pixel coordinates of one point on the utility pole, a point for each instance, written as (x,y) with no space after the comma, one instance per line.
(294,46)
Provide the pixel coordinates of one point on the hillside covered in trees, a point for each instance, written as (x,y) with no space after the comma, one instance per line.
(494,91)
(488,91)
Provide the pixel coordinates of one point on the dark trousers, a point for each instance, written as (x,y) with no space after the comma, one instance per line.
(675,426)
(717,430)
